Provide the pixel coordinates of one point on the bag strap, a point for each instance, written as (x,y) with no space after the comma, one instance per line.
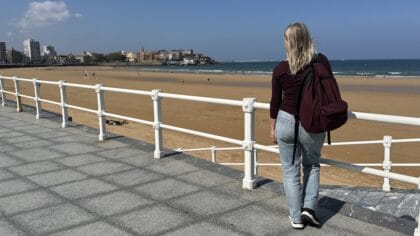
(329,137)
(299,100)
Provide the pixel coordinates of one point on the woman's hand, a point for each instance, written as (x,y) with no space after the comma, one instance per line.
(273,131)
(273,135)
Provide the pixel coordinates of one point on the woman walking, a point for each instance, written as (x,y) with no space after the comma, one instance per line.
(302,199)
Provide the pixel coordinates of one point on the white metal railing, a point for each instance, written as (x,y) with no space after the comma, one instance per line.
(248,145)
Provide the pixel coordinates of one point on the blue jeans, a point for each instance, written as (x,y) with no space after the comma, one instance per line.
(308,152)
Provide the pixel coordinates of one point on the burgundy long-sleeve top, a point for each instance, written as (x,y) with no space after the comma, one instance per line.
(285,86)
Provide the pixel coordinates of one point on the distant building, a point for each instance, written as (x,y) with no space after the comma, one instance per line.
(174,57)
(85,58)
(32,50)
(15,57)
(48,50)
(3,55)
(67,60)
(132,57)
(188,52)
(145,56)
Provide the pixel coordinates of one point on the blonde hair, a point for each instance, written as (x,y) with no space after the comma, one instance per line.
(299,46)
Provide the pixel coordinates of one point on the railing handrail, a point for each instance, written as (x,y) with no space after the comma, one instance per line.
(407,120)
(248,107)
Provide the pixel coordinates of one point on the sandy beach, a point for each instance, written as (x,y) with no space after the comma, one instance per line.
(394,96)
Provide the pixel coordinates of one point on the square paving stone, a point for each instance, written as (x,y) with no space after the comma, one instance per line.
(35,168)
(172,167)
(5,174)
(205,178)
(26,127)
(103,168)
(57,177)
(121,152)
(6,161)
(133,177)
(2,130)
(7,147)
(372,199)
(389,203)
(36,154)
(235,188)
(257,221)
(83,188)
(7,135)
(14,186)
(74,138)
(79,160)
(339,194)
(139,161)
(39,130)
(20,139)
(114,203)
(407,213)
(111,144)
(53,218)
(32,144)
(356,196)
(94,229)
(207,203)
(152,219)
(203,229)
(27,201)
(8,229)
(165,189)
(75,148)
(52,135)
(411,200)
(276,204)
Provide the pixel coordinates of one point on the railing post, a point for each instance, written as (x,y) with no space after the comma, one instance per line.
(417,231)
(63,105)
(255,162)
(387,162)
(418,182)
(18,98)
(213,154)
(157,114)
(101,110)
(37,95)
(249,181)
(3,97)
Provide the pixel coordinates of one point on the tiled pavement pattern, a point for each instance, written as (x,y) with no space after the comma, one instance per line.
(56,181)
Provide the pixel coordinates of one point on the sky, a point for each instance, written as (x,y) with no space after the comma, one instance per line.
(223,29)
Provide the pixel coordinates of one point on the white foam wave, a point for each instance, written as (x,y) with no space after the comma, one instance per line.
(208,71)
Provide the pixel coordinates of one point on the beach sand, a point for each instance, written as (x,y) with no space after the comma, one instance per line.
(394,96)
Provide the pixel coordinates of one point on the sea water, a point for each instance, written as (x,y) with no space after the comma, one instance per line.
(371,68)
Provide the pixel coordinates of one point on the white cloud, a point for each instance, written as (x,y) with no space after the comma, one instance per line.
(9,34)
(77,15)
(40,14)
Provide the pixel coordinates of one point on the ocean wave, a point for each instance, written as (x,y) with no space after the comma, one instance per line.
(395,73)
(208,71)
(364,73)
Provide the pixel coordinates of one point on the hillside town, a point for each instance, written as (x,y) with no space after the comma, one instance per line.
(34,54)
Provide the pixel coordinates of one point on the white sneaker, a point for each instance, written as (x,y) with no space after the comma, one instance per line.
(296,225)
(308,216)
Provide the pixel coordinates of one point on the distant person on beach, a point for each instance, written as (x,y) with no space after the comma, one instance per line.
(302,199)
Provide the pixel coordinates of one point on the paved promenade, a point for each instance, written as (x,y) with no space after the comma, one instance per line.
(56,181)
